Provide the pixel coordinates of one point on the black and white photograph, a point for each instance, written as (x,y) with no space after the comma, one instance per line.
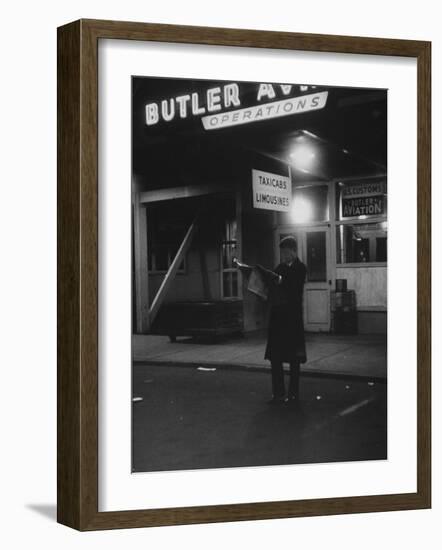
(220,275)
(259,274)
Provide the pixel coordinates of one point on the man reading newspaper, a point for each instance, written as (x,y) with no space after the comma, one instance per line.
(283,287)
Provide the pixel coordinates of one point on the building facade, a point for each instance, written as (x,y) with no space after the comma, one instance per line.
(230,170)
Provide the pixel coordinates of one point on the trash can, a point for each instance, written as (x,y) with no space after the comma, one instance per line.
(343,312)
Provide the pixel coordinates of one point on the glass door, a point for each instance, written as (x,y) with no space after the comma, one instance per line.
(314,252)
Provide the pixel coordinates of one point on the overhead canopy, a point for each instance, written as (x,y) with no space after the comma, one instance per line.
(346,137)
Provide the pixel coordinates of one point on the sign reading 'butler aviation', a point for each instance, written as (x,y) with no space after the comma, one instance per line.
(271,191)
(222,106)
(363,206)
(367,199)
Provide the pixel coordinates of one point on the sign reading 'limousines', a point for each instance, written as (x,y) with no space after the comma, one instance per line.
(221,106)
(271,191)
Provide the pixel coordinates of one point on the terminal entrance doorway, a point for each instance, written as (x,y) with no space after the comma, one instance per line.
(314,252)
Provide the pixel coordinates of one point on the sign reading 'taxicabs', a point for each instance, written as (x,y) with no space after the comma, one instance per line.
(271,191)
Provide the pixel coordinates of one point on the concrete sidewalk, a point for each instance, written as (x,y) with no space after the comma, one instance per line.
(328,354)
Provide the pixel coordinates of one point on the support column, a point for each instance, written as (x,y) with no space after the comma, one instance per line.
(141,266)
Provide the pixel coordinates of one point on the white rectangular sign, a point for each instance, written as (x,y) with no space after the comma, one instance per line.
(284,107)
(271,191)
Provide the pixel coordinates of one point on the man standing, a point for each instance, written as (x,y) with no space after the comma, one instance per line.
(285,337)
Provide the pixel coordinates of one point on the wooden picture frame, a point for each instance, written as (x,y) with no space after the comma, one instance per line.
(77,223)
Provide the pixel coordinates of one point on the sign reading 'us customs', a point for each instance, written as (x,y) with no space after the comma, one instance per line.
(271,191)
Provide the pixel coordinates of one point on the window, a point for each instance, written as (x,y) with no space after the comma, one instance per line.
(230,288)
(165,233)
(361,243)
(161,256)
(316,256)
(359,240)
(309,204)
(381,249)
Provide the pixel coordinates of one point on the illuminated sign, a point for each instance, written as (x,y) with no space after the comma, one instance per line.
(192,104)
(363,199)
(363,206)
(271,191)
(364,189)
(274,109)
(221,106)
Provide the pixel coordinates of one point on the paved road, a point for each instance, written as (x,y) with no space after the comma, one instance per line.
(190,419)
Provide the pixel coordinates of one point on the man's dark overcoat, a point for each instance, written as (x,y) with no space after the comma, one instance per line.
(285,333)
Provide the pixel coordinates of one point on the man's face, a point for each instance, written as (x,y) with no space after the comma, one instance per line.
(287,255)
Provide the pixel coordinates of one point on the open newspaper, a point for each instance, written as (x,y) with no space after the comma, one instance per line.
(255,279)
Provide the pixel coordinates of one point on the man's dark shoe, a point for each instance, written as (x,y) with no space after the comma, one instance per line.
(292,401)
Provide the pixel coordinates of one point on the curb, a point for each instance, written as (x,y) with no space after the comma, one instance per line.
(316,373)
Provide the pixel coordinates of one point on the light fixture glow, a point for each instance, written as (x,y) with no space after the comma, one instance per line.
(302,156)
(302,210)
